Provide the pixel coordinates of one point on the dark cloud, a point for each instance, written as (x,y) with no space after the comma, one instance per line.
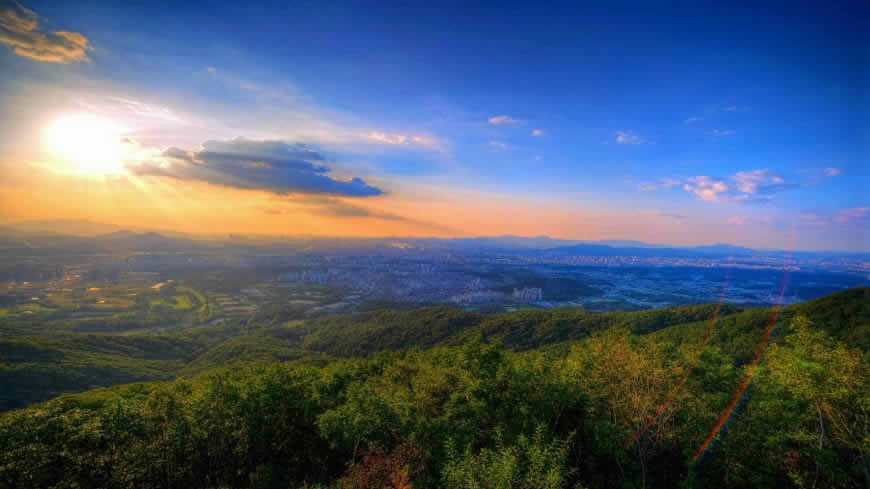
(18,29)
(321,205)
(326,206)
(339,208)
(272,166)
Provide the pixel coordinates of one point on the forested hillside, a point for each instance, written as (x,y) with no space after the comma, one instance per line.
(539,399)
(41,360)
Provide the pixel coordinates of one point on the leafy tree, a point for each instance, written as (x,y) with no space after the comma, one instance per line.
(529,463)
(826,389)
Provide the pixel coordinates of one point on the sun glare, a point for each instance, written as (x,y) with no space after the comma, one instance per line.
(92,144)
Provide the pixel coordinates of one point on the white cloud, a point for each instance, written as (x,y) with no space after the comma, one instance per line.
(692,120)
(385,138)
(497,145)
(832,172)
(749,187)
(502,119)
(705,188)
(749,182)
(424,140)
(627,138)
(537,132)
(395,139)
(723,132)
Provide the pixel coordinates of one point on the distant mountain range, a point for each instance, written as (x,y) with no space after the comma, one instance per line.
(79,227)
(82,236)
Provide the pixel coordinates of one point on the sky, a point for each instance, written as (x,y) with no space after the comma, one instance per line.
(685,124)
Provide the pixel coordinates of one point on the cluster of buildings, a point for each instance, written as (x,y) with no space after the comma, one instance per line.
(478,297)
(528,294)
(306,276)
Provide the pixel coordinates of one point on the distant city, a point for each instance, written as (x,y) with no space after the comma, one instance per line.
(238,276)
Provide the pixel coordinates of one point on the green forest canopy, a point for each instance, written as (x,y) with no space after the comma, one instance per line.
(537,399)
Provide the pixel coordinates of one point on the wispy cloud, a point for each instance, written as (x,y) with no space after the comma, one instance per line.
(142,109)
(671,215)
(737,220)
(497,145)
(19,29)
(853,215)
(723,132)
(268,93)
(343,208)
(537,132)
(692,120)
(502,119)
(321,205)
(664,183)
(812,219)
(300,118)
(627,138)
(386,138)
(832,172)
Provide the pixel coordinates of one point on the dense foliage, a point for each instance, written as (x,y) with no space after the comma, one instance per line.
(611,410)
(43,357)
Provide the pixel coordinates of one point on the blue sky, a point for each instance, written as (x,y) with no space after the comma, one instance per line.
(722,123)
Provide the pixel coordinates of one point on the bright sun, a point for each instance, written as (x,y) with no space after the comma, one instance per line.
(93,144)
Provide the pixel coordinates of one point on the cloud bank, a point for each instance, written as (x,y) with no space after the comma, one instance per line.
(18,29)
(271,166)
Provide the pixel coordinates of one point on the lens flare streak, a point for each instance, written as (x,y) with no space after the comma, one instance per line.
(743,390)
(673,394)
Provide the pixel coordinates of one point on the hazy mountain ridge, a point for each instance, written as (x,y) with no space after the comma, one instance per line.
(87,234)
